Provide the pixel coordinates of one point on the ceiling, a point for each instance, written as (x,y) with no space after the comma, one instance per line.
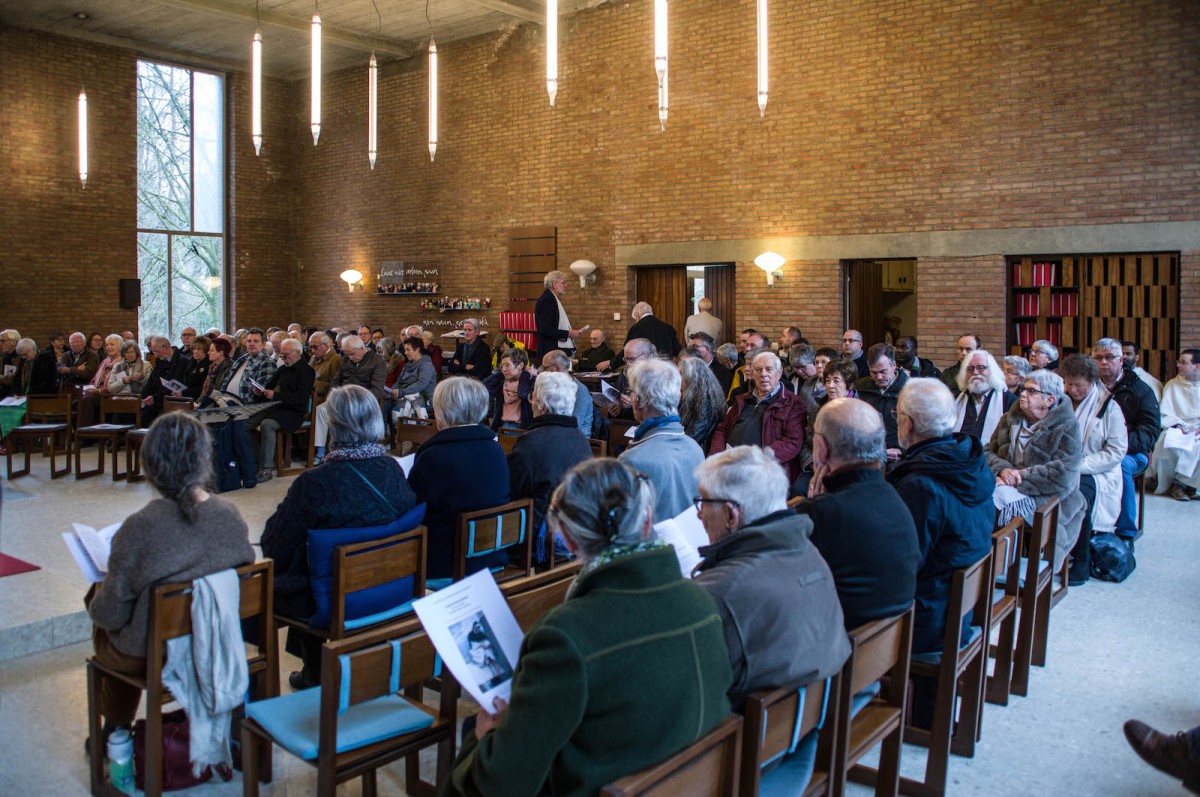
(217,33)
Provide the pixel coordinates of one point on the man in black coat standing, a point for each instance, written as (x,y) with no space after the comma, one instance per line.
(554,331)
(646,326)
(292,387)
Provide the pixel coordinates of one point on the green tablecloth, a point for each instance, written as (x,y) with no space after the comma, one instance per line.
(10,418)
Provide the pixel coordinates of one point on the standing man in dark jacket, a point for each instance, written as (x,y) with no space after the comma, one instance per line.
(945,482)
(646,326)
(292,386)
(860,524)
(551,446)
(775,594)
(1142,419)
(881,389)
(554,332)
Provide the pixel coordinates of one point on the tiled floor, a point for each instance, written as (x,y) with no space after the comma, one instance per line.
(1116,651)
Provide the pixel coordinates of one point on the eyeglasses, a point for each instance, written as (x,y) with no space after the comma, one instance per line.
(851,340)
(699,502)
(1030,391)
(978,369)
(1106,357)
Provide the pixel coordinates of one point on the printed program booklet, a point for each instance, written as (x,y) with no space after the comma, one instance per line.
(91,549)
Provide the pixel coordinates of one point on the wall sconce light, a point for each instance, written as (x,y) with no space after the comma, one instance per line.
(583,269)
(770,262)
(352,277)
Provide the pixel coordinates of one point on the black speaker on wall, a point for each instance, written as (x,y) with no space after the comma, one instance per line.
(131,293)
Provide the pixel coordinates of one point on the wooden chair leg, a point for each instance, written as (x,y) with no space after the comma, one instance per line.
(55,471)
(1022,652)
(153,776)
(250,761)
(969,727)
(999,682)
(80,473)
(117,474)
(1041,626)
(369,784)
(888,777)
(26,444)
(95,732)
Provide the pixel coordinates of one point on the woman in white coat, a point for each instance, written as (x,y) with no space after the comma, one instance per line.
(1105,440)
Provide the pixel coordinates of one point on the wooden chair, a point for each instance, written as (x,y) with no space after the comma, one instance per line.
(55,408)
(484,531)
(133,455)
(1139,483)
(599,448)
(359,720)
(532,596)
(111,434)
(877,649)
(706,768)
(1033,597)
(777,723)
(171,617)
(177,404)
(283,443)
(617,441)
(1006,564)
(415,431)
(24,436)
(508,438)
(959,669)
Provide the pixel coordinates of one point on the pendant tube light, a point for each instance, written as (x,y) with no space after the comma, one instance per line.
(256,133)
(83,147)
(433,99)
(660,38)
(552,49)
(316,77)
(662,103)
(373,110)
(762,57)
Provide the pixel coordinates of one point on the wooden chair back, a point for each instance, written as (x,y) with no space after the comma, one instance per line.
(1006,573)
(415,431)
(508,438)
(505,527)
(706,768)
(533,596)
(49,408)
(121,405)
(617,441)
(777,720)
(177,404)
(368,564)
(599,448)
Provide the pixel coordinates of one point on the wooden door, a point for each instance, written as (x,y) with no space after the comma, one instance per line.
(664,288)
(864,292)
(720,286)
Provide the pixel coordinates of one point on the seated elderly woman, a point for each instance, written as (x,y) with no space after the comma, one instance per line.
(701,401)
(839,377)
(219,352)
(358,484)
(130,374)
(37,371)
(511,387)
(460,469)
(1105,441)
(412,391)
(1015,370)
(185,534)
(433,350)
(1036,451)
(630,670)
(196,370)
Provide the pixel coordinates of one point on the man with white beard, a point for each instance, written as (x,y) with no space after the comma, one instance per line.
(982,399)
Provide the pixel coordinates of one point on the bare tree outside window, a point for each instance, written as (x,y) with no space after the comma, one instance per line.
(181,198)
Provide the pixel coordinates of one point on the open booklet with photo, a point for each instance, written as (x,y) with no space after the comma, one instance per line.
(476,635)
(90,548)
(686,533)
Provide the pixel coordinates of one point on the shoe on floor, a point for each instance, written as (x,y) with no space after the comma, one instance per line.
(1191,493)
(265,475)
(1172,754)
(1176,492)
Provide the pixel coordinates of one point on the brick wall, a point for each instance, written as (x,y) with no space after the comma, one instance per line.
(956,296)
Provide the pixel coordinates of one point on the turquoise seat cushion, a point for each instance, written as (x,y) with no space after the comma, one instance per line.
(374,604)
(293,720)
(1021,568)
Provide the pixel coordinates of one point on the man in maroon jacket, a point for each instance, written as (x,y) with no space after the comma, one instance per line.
(767,416)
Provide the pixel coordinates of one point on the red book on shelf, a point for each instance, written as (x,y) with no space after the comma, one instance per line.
(1054,333)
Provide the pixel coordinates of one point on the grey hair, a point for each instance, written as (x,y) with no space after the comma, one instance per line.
(473,322)
(727,352)
(555,393)
(159,341)
(1048,382)
(79,334)
(749,475)
(177,457)
(115,337)
(640,309)
(801,354)
(1048,348)
(557,359)
(131,344)
(317,338)
(553,277)
(1106,344)
(354,416)
(754,354)
(459,401)
(601,503)
(853,430)
(352,342)
(26,345)
(642,347)
(995,372)
(1020,363)
(701,396)
(930,406)
(656,385)
(10,334)
(290,343)
(385,348)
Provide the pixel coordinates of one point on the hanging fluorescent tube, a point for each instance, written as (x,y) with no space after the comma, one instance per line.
(552,49)
(662,103)
(83,148)
(373,110)
(660,38)
(433,77)
(762,57)
(316,78)
(256,133)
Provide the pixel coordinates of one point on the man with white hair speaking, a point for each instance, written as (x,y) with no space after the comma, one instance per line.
(982,398)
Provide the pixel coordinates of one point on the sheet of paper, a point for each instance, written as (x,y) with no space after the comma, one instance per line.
(631,432)
(9,370)
(13,401)
(685,532)
(475,632)
(254,383)
(86,566)
(406,463)
(173,385)
(584,328)
(98,544)
(1187,447)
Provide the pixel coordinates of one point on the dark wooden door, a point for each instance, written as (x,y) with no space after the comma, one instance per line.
(664,288)
(721,287)
(864,290)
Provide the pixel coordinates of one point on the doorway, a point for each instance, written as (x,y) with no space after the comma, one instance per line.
(673,292)
(881,298)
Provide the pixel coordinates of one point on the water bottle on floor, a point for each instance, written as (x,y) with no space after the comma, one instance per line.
(120,760)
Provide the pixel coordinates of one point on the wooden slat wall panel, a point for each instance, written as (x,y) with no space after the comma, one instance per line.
(532,253)
(720,285)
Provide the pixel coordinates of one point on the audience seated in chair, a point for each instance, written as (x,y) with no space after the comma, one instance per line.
(776,597)
(359,484)
(982,397)
(510,387)
(292,386)
(766,416)
(1180,411)
(36,373)
(583,408)
(593,699)
(169,366)
(360,366)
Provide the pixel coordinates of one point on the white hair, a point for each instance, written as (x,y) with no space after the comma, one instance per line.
(352,343)
(995,374)
(553,277)
(747,475)
(459,401)
(25,346)
(756,353)
(930,406)
(77,335)
(1106,344)
(555,393)
(115,337)
(1047,348)
(640,309)
(1048,382)
(290,343)
(10,334)
(656,383)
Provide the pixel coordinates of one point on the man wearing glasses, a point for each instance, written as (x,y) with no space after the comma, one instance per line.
(767,416)
(966,344)
(1140,408)
(982,399)
(852,349)
(324,361)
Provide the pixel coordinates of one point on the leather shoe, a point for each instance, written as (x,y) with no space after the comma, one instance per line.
(299,681)
(1176,492)
(1172,754)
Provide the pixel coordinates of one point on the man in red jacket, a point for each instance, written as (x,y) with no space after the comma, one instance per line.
(767,416)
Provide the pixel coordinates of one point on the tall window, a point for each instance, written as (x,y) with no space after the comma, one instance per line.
(181,198)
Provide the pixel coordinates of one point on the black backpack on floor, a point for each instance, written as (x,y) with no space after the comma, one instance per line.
(1112,558)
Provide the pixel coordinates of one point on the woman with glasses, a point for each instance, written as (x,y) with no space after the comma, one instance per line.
(628,671)
(511,389)
(1036,454)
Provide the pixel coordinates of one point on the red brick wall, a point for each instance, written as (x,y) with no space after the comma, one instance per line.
(957,296)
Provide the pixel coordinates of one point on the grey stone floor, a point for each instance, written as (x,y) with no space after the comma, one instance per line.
(1116,651)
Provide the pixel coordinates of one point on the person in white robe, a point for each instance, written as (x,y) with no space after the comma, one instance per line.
(1177,454)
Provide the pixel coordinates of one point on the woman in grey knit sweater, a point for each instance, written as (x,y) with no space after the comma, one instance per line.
(186,534)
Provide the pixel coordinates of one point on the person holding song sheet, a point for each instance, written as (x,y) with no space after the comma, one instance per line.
(628,671)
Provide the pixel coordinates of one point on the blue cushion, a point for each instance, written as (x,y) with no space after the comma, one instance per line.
(293,721)
(794,772)
(1021,570)
(383,599)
